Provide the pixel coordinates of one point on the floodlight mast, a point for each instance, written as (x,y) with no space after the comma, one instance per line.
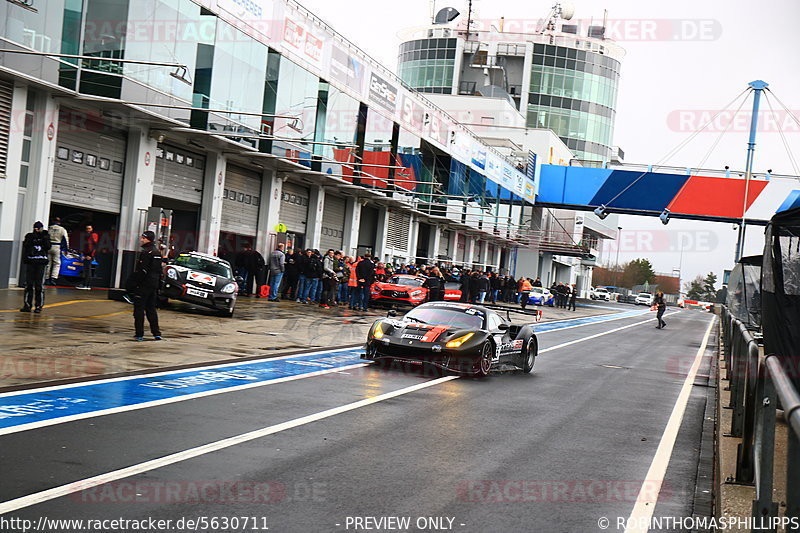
(758,87)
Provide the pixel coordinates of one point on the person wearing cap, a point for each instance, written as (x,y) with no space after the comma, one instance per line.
(143,284)
(58,235)
(34,255)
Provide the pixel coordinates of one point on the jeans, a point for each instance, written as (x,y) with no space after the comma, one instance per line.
(355,296)
(310,289)
(344,293)
(362,299)
(495,295)
(274,284)
(481,296)
(659,314)
(301,287)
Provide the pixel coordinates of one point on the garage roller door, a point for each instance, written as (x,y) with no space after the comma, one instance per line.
(294,207)
(179,174)
(6,95)
(90,161)
(461,247)
(397,232)
(241,199)
(333,213)
(444,245)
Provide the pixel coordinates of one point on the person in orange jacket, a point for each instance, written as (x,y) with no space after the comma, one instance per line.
(352,282)
(524,291)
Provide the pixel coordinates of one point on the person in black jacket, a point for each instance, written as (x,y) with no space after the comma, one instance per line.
(496,284)
(466,286)
(314,273)
(435,285)
(301,260)
(482,286)
(34,256)
(365,274)
(143,284)
(661,306)
(290,275)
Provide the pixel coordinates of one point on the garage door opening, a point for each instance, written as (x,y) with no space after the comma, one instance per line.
(106,225)
(185,222)
(231,244)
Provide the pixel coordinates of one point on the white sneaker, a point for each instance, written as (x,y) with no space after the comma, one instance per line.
(83,287)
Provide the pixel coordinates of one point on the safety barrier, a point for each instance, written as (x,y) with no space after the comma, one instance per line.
(757,385)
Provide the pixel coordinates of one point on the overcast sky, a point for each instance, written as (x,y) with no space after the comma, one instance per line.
(683,57)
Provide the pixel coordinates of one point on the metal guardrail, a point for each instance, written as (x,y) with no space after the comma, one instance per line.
(757,385)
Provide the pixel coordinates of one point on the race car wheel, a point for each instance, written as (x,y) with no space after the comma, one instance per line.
(531,349)
(485,362)
(228,313)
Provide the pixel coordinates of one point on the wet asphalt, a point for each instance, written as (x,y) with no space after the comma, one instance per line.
(555,450)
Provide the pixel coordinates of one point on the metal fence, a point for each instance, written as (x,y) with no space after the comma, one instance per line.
(758,387)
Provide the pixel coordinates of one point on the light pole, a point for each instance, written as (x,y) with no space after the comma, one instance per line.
(758,87)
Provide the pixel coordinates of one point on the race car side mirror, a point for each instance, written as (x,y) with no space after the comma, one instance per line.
(503,327)
(392,313)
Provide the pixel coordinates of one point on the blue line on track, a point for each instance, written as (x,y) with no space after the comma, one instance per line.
(49,404)
(598,319)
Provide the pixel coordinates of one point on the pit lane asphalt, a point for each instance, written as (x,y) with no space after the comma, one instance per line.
(591,412)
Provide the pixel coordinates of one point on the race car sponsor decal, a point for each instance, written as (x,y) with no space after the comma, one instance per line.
(513,346)
(201,277)
(434,333)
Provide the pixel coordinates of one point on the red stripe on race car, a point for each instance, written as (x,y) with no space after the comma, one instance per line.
(434,333)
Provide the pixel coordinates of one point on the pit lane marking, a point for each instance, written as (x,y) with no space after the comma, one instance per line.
(57,304)
(76,486)
(32,409)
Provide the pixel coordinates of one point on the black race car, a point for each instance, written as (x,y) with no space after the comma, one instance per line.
(459,337)
(201,279)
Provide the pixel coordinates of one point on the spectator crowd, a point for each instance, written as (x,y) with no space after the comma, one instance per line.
(334,279)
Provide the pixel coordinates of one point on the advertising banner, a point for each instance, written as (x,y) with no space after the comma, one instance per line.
(382,93)
(346,69)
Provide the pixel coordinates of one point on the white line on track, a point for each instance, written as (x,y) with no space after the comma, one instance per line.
(69,488)
(174,399)
(557,346)
(639,520)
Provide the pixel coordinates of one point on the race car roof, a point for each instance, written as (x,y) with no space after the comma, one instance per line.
(213,258)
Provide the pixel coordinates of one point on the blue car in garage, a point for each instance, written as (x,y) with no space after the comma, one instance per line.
(541,296)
